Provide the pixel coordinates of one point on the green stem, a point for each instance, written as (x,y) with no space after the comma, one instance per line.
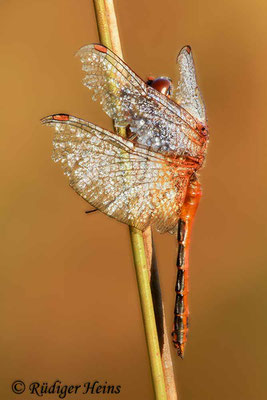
(148,313)
(108,33)
(102,23)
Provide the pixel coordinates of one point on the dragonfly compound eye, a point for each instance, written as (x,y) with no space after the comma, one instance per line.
(162,85)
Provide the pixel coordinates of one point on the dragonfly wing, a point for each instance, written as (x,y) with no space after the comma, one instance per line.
(187,93)
(131,184)
(158,122)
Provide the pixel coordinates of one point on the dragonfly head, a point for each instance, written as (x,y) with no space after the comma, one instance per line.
(161,84)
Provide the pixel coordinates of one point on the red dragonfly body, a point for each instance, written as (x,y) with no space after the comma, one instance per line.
(150,178)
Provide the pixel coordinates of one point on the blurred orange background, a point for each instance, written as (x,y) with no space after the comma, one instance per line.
(69,304)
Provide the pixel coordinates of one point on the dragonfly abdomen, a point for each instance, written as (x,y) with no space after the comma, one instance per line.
(181,310)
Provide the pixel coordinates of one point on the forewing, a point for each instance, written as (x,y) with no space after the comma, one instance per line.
(131,184)
(187,93)
(158,122)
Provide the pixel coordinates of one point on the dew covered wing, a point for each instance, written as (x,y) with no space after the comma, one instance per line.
(131,184)
(158,122)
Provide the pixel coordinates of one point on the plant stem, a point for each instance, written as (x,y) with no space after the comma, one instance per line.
(142,247)
(161,325)
(148,313)
(102,23)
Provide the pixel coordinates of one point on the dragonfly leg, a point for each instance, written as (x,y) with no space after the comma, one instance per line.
(90,211)
(181,311)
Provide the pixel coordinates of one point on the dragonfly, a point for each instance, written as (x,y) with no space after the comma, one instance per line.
(150,177)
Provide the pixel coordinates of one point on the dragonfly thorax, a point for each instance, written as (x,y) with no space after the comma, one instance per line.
(161,84)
